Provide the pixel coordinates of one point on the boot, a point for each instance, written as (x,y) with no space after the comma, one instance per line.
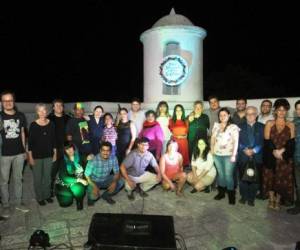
(221,193)
(79,203)
(231,197)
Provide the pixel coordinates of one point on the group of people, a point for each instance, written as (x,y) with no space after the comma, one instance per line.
(97,155)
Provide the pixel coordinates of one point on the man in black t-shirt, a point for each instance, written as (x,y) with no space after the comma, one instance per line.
(78,132)
(13,151)
(60,120)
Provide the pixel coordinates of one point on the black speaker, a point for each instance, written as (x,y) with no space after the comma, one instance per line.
(131,231)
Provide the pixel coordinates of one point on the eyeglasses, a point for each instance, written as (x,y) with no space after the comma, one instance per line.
(251,114)
(8,101)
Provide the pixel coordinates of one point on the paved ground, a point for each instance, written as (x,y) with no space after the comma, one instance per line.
(203,222)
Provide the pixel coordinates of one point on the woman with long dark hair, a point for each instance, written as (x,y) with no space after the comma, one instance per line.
(126,131)
(203,170)
(278,181)
(224,146)
(96,125)
(179,129)
(71,183)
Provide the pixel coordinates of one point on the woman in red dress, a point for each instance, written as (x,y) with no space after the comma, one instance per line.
(179,129)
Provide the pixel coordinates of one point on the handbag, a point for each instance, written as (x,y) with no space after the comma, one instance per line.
(250,171)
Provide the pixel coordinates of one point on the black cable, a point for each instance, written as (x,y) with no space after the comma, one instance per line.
(179,238)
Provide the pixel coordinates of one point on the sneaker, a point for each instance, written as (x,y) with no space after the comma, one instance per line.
(2,218)
(22,208)
(143,194)
(109,200)
(194,190)
(49,200)
(5,212)
(130,196)
(42,203)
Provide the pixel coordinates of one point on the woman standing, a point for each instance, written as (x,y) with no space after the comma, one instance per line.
(163,117)
(109,133)
(96,125)
(179,129)
(42,153)
(126,135)
(171,169)
(224,145)
(278,181)
(152,130)
(71,182)
(203,170)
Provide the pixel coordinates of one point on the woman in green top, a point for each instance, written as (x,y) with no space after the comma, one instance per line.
(198,125)
(71,183)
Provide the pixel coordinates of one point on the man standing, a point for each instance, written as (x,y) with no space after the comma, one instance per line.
(60,120)
(78,132)
(265,112)
(251,141)
(98,174)
(13,151)
(212,112)
(136,115)
(135,169)
(239,117)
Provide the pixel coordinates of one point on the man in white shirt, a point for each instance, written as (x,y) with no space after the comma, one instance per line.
(266,112)
(136,115)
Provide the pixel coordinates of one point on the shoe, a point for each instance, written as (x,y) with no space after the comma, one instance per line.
(2,218)
(194,190)
(42,203)
(261,197)
(130,196)
(221,193)
(242,201)
(231,197)
(22,208)
(109,200)
(143,194)
(6,212)
(49,200)
(294,210)
(79,204)
(251,203)
(207,190)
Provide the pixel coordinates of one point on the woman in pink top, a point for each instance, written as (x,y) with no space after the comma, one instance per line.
(171,168)
(152,131)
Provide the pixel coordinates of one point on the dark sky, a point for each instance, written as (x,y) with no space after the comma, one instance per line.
(48,47)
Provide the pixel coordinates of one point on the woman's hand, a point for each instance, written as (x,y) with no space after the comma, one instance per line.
(82,181)
(31,161)
(233,158)
(128,151)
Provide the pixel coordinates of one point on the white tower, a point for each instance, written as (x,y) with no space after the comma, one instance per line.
(173,69)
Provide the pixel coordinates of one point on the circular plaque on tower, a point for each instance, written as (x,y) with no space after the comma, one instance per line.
(173,70)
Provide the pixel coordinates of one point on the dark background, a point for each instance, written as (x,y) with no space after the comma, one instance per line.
(90,50)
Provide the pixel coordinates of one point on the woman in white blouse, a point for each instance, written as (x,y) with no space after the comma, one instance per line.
(163,117)
(203,170)
(224,145)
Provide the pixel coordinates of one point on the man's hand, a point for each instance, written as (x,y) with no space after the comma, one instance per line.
(31,161)
(83,182)
(131,184)
(112,187)
(90,157)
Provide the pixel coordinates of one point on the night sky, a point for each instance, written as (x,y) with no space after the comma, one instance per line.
(47,48)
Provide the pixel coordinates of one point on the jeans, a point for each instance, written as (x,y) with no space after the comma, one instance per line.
(17,163)
(297,179)
(225,169)
(104,185)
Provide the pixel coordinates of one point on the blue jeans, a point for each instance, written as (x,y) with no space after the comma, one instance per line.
(225,170)
(104,185)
